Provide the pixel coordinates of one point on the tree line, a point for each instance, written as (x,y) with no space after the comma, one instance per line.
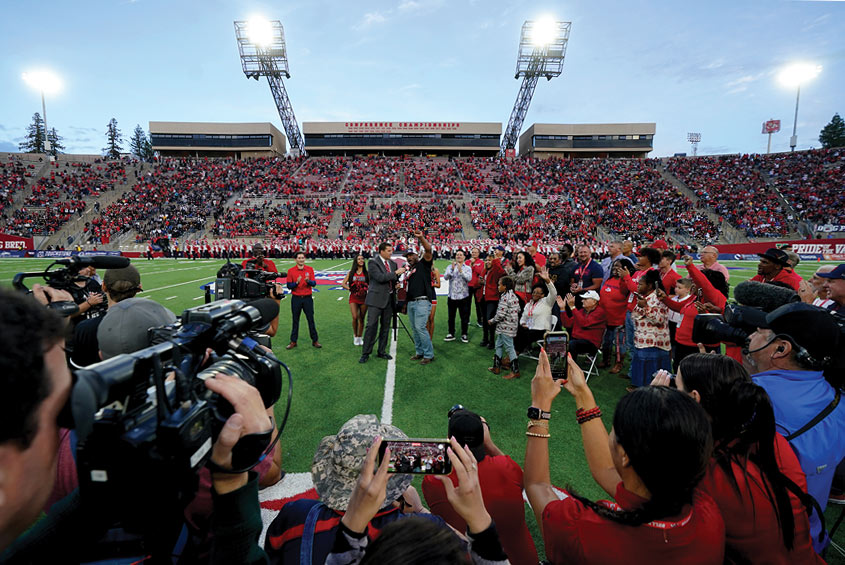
(35,140)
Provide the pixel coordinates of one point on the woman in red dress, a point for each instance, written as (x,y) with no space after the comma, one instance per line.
(356,282)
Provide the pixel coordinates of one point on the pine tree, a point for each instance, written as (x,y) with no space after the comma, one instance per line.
(114,140)
(833,134)
(56,145)
(137,142)
(147,153)
(34,140)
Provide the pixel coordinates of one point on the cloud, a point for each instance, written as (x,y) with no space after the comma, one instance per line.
(419,5)
(371,19)
(742,83)
(409,6)
(8,147)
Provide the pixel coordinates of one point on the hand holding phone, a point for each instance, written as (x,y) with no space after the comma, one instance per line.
(556,345)
(416,456)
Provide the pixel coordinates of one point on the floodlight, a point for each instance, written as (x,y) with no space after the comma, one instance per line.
(261,44)
(543,32)
(542,48)
(44,81)
(260,31)
(798,74)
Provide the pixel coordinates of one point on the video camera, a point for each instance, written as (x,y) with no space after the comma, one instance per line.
(144,436)
(67,277)
(735,326)
(237,283)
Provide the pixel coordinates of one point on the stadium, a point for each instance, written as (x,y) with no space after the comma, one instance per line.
(209,191)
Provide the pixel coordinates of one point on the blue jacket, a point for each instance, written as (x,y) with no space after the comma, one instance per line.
(797,397)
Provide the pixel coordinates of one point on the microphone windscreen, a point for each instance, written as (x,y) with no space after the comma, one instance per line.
(268,309)
(766,297)
(102,261)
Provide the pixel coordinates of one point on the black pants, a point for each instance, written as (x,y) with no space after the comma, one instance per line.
(490,307)
(374,316)
(297,305)
(525,337)
(579,346)
(463,307)
(479,307)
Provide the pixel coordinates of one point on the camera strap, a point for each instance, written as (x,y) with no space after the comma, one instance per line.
(306,544)
(819,417)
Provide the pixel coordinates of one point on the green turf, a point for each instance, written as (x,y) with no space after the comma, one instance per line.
(330,386)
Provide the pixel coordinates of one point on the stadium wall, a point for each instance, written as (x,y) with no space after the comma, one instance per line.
(827,249)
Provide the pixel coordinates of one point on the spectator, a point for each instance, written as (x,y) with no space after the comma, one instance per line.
(710,260)
(651,463)
(459,275)
(588,274)
(822,299)
(587,324)
(774,267)
(522,275)
(834,284)
(506,322)
(476,284)
(494,271)
(614,250)
(668,275)
(500,478)
(537,317)
(614,302)
(651,331)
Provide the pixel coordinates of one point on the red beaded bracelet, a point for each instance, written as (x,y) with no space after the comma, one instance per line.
(583,416)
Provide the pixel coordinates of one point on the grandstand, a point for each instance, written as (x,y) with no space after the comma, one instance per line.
(727,199)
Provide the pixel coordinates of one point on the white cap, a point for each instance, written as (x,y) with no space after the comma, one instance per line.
(591,294)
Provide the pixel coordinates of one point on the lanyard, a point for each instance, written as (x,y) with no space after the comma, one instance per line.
(659,524)
(579,272)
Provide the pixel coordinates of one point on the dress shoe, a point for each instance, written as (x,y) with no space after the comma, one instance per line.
(617,368)
(291,345)
(317,345)
(416,357)
(384,356)
(426,360)
(364,358)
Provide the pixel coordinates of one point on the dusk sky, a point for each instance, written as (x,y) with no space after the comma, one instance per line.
(708,67)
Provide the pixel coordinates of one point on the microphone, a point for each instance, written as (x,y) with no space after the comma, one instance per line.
(766,297)
(96,261)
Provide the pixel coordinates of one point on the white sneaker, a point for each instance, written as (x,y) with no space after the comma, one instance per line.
(464,339)
(449,337)
(360,341)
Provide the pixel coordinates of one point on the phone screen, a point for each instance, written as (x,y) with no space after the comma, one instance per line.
(557,348)
(416,456)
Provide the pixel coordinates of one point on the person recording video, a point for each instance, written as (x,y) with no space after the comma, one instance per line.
(36,387)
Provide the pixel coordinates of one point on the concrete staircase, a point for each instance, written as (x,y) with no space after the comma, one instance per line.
(787,207)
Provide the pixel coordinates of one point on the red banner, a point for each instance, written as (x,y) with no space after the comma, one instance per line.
(771,126)
(13,242)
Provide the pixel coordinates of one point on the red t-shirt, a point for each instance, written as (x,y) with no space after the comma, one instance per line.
(500,478)
(751,524)
(574,533)
(614,301)
(266,265)
(304,275)
(709,294)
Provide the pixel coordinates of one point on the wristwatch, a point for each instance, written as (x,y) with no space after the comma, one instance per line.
(537,414)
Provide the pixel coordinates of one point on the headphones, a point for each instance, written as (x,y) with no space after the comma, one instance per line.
(803,356)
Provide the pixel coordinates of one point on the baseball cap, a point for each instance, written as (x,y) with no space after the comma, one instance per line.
(591,294)
(837,273)
(124,327)
(411,251)
(122,280)
(500,248)
(338,460)
(776,255)
(808,326)
(467,427)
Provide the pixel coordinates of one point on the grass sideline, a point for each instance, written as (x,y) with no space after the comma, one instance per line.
(330,386)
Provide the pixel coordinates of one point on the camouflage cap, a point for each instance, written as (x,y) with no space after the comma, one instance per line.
(338,460)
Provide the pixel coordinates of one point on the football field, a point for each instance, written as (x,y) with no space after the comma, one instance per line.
(330,386)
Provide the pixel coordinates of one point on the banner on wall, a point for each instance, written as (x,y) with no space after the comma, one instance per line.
(13,242)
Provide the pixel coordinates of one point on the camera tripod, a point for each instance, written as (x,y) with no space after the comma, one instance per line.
(397,321)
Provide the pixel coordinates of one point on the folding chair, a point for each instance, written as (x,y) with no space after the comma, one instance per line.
(593,370)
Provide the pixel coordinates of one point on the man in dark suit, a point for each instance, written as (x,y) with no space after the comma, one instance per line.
(383,275)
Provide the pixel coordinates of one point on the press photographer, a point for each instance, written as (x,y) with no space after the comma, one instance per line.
(146,454)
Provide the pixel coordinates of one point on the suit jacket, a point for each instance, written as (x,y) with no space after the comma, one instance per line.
(381,282)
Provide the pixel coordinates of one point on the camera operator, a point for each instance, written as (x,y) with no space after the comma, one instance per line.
(118,285)
(787,356)
(834,285)
(36,385)
(88,296)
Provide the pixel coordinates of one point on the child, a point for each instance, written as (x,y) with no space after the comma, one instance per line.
(507,321)
(683,292)
(651,331)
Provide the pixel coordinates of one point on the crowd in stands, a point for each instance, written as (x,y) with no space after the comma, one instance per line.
(295,218)
(373,174)
(509,219)
(733,187)
(431,175)
(13,175)
(812,181)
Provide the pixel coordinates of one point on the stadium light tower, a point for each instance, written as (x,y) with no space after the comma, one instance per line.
(49,83)
(694,139)
(796,75)
(261,44)
(542,48)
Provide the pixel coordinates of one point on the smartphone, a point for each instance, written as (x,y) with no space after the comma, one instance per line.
(556,345)
(416,456)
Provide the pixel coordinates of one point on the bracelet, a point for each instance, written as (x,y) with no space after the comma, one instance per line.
(538,424)
(531,434)
(583,416)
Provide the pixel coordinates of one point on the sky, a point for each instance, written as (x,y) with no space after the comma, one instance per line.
(708,67)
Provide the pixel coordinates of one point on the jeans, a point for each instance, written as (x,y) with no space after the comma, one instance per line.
(629,333)
(418,311)
(645,362)
(297,305)
(490,307)
(462,306)
(504,344)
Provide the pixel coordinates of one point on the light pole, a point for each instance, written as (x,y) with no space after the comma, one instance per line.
(44,81)
(796,75)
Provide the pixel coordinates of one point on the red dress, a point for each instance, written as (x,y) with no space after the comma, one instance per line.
(358,288)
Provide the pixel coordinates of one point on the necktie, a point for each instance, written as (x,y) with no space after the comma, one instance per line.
(387,266)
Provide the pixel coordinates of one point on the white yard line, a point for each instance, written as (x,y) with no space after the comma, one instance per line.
(177,284)
(333,266)
(171,297)
(389,386)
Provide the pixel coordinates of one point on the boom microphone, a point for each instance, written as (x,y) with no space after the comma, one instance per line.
(96,261)
(766,297)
